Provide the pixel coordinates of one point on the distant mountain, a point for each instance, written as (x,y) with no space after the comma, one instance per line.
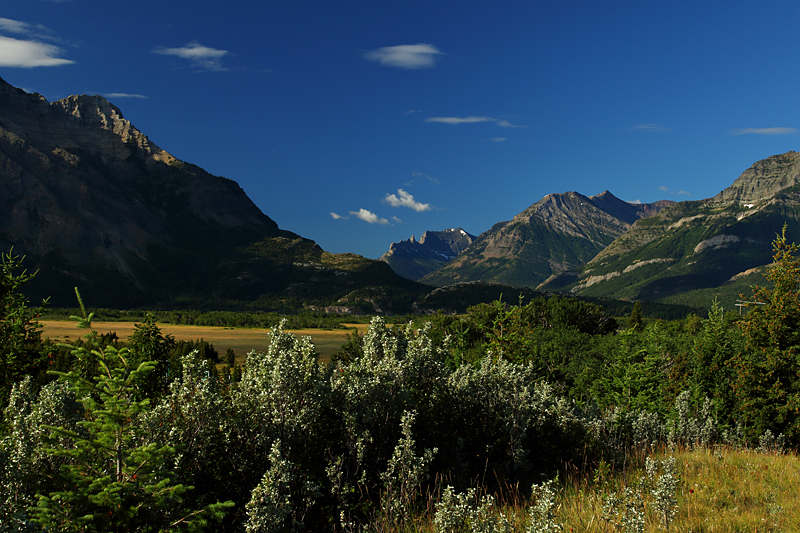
(93,203)
(557,234)
(713,246)
(413,259)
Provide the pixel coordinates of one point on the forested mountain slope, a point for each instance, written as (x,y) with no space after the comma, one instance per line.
(704,244)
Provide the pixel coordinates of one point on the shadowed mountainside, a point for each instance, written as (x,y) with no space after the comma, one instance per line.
(93,203)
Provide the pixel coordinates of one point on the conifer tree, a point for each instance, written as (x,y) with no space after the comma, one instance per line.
(767,383)
(113,478)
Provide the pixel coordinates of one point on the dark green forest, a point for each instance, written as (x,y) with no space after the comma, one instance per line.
(150,434)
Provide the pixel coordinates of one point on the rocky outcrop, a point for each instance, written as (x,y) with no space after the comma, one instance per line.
(413,259)
(763,180)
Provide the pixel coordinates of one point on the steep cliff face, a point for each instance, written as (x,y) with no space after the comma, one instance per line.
(558,233)
(763,180)
(702,245)
(93,202)
(413,259)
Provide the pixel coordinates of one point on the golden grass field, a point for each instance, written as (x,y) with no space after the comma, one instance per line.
(241,340)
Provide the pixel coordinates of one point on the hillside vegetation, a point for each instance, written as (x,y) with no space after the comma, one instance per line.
(513,417)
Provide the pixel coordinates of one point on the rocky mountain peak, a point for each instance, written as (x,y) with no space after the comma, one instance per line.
(413,259)
(763,180)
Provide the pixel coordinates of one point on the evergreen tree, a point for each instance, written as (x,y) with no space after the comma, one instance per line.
(767,384)
(21,349)
(113,479)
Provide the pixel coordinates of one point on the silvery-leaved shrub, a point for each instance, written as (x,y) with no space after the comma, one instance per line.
(399,370)
(279,503)
(405,473)
(769,443)
(687,430)
(625,513)
(280,396)
(194,419)
(464,512)
(503,399)
(25,464)
(662,477)
(541,513)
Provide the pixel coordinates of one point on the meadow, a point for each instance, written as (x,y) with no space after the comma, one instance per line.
(241,340)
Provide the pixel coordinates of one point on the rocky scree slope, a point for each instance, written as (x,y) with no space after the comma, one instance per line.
(413,259)
(701,245)
(557,234)
(92,202)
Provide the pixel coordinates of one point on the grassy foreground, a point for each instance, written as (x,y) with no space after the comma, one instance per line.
(720,490)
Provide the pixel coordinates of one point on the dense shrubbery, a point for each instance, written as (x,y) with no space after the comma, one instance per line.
(150,435)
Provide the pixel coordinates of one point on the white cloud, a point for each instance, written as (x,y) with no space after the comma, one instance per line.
(397,220)
(337,217)
(29,54)
(471,120)
(124,95)
(654,128)
(407,56)
(765,131)
(200,56)
(404,199)
(507,124)
(368,216)
(36,31)
(460,120)
(499,139)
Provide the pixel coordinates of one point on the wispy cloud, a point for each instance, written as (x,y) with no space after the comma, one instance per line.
(472,120)
(397,220)
(498,139)
(664,188)
(460,120)
(404,199)
(652,128)
(29,54)
(416,174)
(337,217)
(201,57)
(23,28)
(765,131)
(368,216)
(507,124)
(407,56)
(124,95)
(30,51)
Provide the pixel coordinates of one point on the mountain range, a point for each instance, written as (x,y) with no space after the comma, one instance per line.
(600,246)
(559,233)
(93,203)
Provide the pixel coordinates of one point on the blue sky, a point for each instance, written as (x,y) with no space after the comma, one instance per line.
(360,123)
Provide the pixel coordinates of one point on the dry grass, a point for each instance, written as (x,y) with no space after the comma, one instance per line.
(241,340)
(719,491)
